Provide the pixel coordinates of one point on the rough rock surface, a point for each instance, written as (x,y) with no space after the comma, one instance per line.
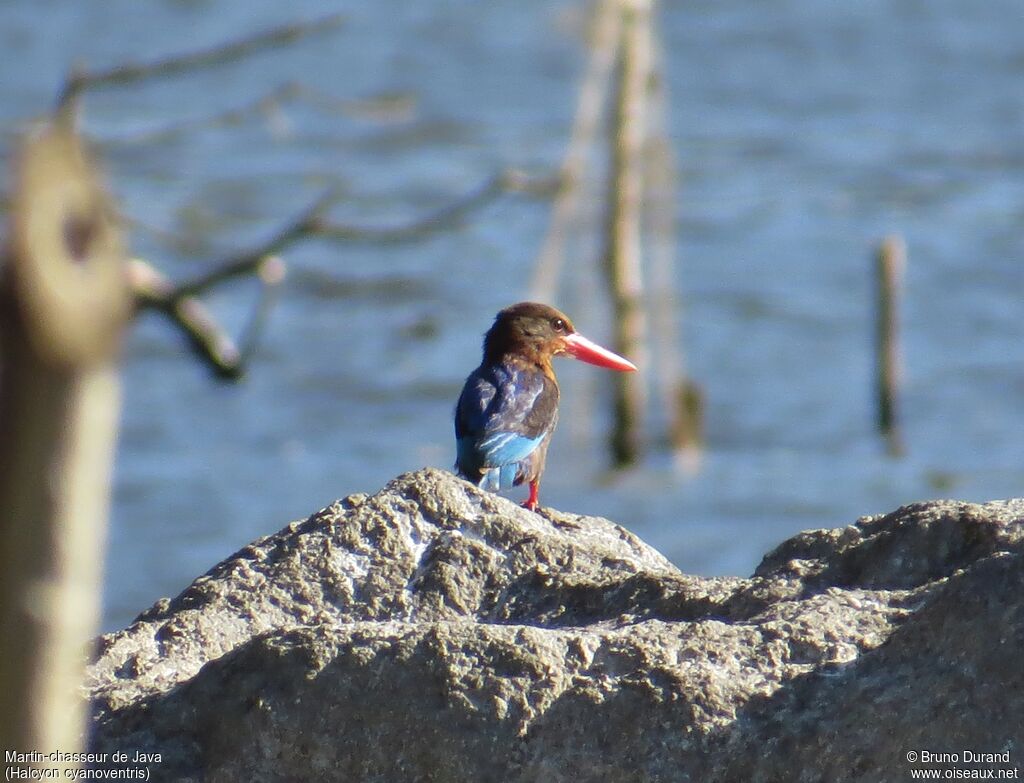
(433,632)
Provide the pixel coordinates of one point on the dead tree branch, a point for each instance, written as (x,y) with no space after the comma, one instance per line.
(264,104)
(313,223)
(126,73)
(209,342)
(180,302)
(245,263)
(382,109)
(446,217)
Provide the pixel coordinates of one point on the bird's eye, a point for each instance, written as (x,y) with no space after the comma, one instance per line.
(558,324)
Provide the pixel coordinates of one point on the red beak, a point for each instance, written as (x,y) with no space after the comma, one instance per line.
(586,351)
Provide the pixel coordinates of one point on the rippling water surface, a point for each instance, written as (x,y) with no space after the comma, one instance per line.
(804,131)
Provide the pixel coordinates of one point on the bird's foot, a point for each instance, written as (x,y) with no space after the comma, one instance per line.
(532,501)
(531,505)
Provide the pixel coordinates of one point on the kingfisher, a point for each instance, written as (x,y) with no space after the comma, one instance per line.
(509,405)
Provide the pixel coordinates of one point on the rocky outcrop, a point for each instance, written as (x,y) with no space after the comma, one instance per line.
(433,632)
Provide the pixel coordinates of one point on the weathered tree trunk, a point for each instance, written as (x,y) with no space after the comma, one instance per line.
(63,302)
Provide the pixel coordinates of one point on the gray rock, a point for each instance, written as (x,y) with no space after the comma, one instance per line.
(433,632)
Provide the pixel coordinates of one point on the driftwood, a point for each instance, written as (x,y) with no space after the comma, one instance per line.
(64,302)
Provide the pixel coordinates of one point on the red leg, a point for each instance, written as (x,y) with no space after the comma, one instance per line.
(531,502)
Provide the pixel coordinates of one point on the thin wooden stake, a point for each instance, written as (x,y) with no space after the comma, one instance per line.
(604,47)
(623,239)
(890,264)
(681,397)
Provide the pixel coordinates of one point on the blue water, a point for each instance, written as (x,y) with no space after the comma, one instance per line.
(804,132)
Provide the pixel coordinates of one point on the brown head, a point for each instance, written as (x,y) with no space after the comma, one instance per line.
(537,332)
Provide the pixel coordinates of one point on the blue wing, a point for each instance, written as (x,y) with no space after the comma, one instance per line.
(503,421)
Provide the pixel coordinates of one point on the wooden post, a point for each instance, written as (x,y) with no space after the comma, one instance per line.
(604,47)
(890,263)
(64,299)
(622,241)
(681,397)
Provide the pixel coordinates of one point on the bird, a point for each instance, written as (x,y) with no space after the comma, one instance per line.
(508,407)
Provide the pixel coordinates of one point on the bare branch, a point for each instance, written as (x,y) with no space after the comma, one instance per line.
(181,304)
(313,223)
(383,107)
(443,218)
(245,263)
(387,108)
(208,341)
(233,116)
(129,72)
